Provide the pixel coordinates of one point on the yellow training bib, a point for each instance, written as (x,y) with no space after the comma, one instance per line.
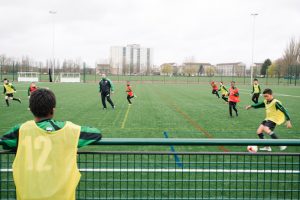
(272,113)
(9,89)
(223,91)
(45,166)
(256,88)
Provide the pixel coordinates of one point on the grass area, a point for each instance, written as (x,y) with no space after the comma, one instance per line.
(184,111)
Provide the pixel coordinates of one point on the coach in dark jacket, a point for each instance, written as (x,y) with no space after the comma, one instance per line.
(105,88)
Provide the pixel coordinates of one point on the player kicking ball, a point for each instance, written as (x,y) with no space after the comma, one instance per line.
(276,114)
(9,91)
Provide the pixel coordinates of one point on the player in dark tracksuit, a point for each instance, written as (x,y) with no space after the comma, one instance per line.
(106,87)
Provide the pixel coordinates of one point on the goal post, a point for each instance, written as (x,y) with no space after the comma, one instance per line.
(70,77)
(28,76)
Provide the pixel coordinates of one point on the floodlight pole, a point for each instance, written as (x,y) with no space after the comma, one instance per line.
(52,12)
(253,40)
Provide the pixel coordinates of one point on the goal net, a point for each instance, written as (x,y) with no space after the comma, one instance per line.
(70,77)
(28,76)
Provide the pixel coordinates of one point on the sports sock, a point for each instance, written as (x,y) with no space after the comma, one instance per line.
(273,135)
(261,136)
(7,103)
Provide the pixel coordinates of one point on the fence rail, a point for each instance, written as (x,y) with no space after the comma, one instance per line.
(180,175)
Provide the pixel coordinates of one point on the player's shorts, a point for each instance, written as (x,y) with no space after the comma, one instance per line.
(9,95)
(269,124)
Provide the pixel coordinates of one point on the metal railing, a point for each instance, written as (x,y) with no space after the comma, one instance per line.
(180,175)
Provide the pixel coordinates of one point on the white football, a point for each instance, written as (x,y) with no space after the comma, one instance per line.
(252,149)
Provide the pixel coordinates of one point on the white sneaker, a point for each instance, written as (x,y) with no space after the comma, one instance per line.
(265,149)
(282,148)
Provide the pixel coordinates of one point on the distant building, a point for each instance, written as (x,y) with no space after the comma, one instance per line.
(103,69)
(230,69)
(257,69)
(195,68)
(131,60)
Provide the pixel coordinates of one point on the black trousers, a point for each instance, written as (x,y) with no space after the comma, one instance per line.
(224,97)
(128,98)
(105,96)
(255,97)
(232,105)
(216,93)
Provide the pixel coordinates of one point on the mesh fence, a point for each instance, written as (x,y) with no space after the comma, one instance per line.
(162,175)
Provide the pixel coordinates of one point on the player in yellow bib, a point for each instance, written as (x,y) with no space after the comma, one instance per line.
(224,92)
(256,90)
(276,114)
(8,91)
(45,166)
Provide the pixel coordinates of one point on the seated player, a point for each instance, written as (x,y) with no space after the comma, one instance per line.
(45,165)
(224,92)
(214,88)
(276,114)
(9,90)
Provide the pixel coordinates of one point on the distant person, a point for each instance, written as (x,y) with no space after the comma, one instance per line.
(214,88)
(233,99)
(106,88)
(45,165)
(32,87)
(276,114)
(255,91)
(130,93)
(224,92)
(8,91)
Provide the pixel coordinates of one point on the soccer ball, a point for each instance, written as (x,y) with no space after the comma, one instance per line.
(252,149)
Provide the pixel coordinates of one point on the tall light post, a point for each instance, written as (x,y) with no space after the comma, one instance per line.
(53,12)
(253,41)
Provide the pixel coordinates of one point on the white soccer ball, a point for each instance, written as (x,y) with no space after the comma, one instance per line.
(252,149)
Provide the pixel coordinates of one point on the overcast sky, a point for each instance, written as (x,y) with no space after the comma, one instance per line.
(211,31)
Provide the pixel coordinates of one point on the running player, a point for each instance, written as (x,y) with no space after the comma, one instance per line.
(233,99)
(255,91)
(45,165)
(32,87)
(9,90)
(214,88)
(276,114)
(130,94)
(224,92)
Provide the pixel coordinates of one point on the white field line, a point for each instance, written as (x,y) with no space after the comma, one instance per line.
(160,170)
(276,94)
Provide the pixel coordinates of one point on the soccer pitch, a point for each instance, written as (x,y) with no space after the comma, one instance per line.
(182,110)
